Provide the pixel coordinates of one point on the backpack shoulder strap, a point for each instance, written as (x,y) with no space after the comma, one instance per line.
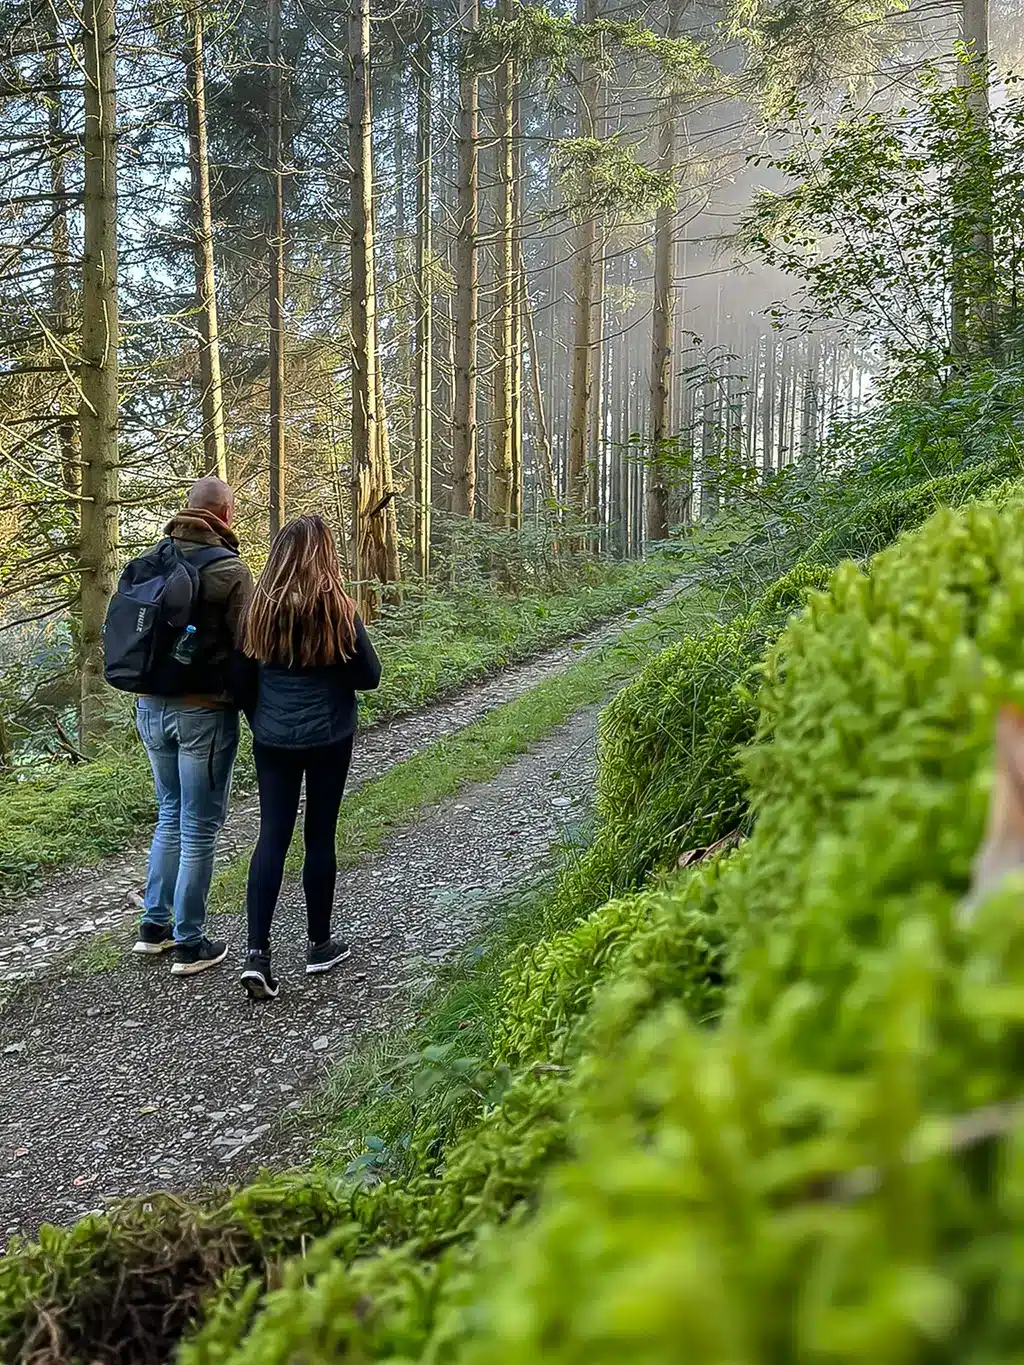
(209,554)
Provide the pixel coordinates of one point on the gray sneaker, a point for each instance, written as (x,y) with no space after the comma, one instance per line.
(321,957)
(154,939)
(196,957)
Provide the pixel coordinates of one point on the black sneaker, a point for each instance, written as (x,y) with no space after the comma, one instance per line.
(321,957)
(196,957)
(153,939)
(257,978)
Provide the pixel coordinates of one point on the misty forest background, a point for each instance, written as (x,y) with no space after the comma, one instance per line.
(509,293)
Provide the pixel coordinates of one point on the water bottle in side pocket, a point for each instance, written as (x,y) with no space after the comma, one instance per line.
(184,651)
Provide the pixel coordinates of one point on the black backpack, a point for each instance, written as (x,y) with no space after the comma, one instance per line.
(155,600)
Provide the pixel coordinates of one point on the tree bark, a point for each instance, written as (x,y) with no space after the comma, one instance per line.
(662,322)
(768,406)
(709,483)
(782,450)
(518,304)
(60,245)
(595,443)
(661,350)
(373,521)
(584,274)
(215,460)
(974,323)
(98,417)
(277,270)
(464,432)
(423,397)
(502,497)
(546,467)
(811,401)
(363,302)
(384,531)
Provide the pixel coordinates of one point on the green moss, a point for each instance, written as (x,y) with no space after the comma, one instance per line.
(688,1171)
(118,1288)
(705,1202)
(99,953)
(876,522)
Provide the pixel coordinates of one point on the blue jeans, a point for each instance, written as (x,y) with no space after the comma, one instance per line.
(192,753)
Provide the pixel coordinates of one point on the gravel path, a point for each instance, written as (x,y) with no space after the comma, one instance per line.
(131,1079)
(74,906)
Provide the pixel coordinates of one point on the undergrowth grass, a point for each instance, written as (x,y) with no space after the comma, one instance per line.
(98,954)
(429,1074)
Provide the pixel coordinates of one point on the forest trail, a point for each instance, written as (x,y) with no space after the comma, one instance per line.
(75,905)
(117,1078)
(131,1079)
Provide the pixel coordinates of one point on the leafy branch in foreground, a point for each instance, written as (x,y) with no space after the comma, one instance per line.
(881,218)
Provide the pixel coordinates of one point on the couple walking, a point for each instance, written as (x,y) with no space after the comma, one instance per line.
(291,653)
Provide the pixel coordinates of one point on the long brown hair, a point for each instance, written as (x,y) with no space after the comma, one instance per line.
(300,614)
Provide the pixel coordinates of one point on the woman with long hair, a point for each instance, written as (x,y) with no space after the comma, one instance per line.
(305,654)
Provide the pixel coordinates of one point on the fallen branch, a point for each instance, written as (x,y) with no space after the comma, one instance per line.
(67,743)
(692,856)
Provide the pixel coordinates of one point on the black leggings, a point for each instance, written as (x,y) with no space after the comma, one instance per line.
(279,773)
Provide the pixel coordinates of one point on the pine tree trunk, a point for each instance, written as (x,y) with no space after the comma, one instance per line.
(974,326)
(809,414)
(98,549)
(518,305)
(464,431)
(423,397)
(661,334)
(709,487)
(750,405)
(768,407)
(215,460)
(595,443)
(546,467)
(277,265)
(363,306)
(584,274)
(782,456)
(60,245)
(374,521)
(384,528)
(504,415)
(662,323)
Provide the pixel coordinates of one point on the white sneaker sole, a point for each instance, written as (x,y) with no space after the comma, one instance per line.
(313,968)
(145,949)
(193,968)
(257,988)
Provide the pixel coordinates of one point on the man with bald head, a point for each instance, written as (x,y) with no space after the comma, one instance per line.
(192,739)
